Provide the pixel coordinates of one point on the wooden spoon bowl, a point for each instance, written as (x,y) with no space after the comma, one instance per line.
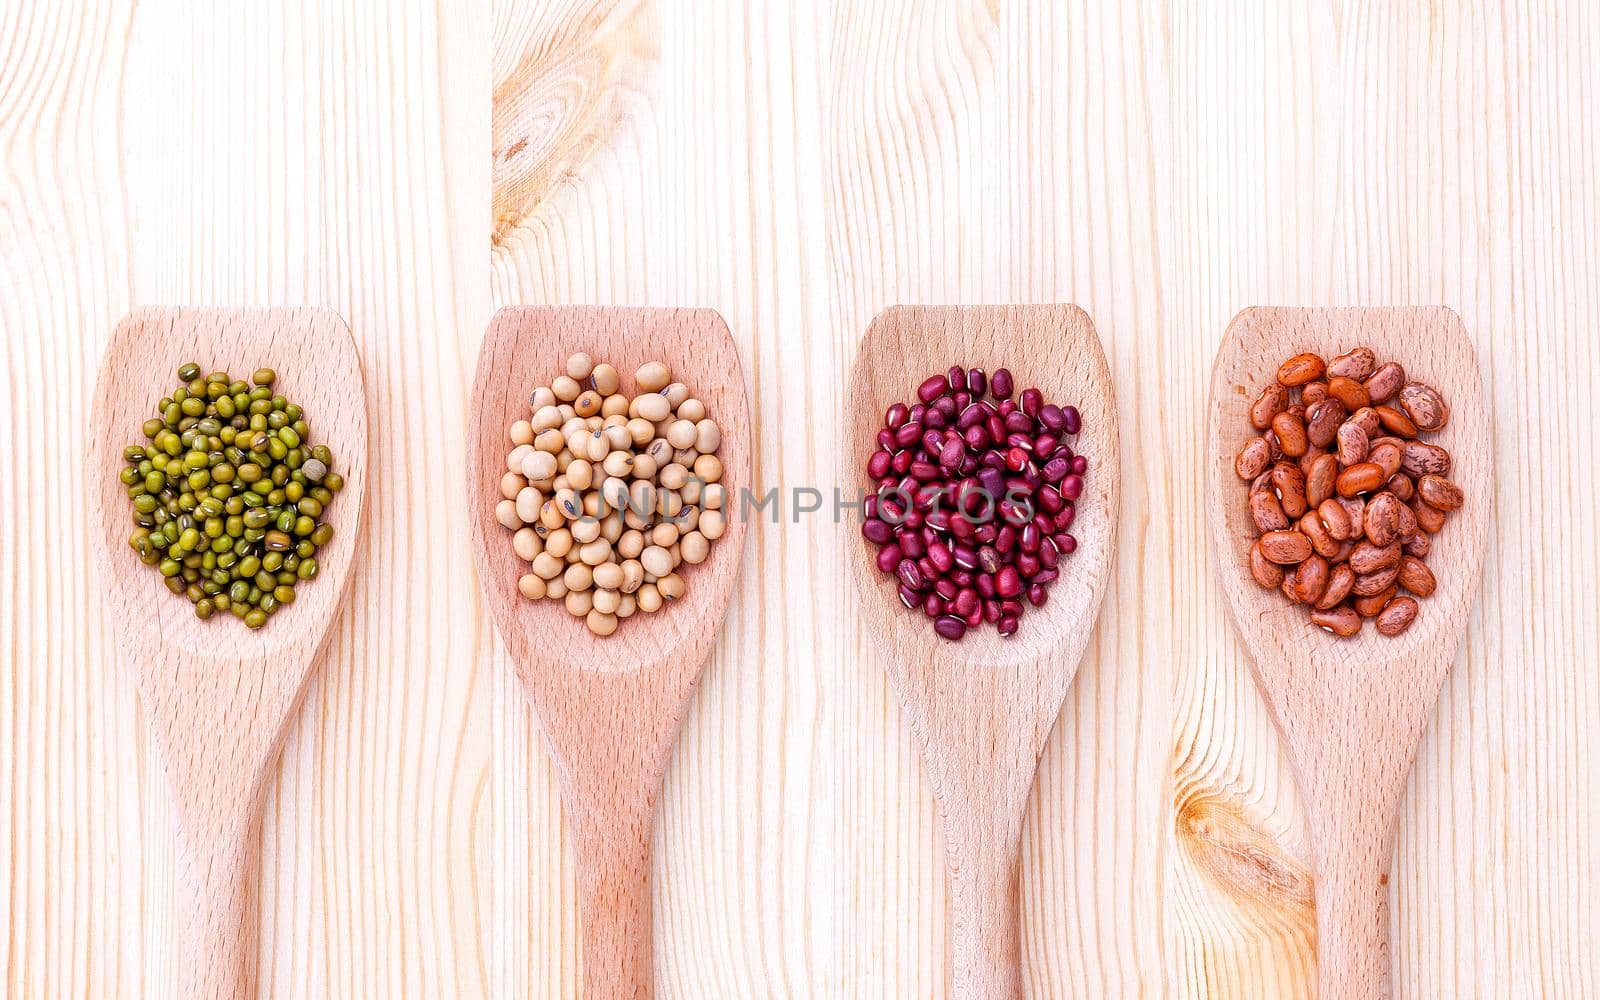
(983,707)
(1351,711)
(219,696)
(610,708)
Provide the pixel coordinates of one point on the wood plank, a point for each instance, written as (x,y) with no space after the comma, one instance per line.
(799,167)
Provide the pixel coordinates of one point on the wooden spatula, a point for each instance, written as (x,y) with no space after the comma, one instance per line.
(1351,711)
(610,708)
(983,707)
(218,696)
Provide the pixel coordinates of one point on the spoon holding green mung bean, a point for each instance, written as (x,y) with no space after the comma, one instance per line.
(219,696)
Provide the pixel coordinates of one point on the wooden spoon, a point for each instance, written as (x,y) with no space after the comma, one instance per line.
(610,708)
(219,696)
(1351,711)
(983,707)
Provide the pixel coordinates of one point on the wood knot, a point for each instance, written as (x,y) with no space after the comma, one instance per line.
(1253,871)
(567,97)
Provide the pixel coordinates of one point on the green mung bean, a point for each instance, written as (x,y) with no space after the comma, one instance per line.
(228,494)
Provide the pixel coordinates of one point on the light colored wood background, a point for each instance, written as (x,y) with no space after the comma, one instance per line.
(798,167)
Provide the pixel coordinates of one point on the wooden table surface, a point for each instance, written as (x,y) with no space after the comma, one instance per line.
(799,167)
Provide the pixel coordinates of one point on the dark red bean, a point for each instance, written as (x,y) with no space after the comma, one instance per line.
(1007,626)
(993,483)
(910,575)
(1014,512)
(952,454)
(911,545)
(966,602)
(889,558)
(1028,538)
(1049,555)
(1006,539)
(989,560)
(932,388)
(1000,384)
(990,485)
(950,627)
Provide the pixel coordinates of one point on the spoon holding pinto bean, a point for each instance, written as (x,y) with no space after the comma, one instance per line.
(1324,493)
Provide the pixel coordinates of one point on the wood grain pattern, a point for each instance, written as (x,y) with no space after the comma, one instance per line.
(219,697)
(982,708)
(610,708)
(1351,711)
(799,167)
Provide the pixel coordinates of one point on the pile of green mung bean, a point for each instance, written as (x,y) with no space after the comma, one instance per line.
(228,494)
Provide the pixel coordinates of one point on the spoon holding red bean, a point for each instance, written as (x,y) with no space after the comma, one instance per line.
(983,682)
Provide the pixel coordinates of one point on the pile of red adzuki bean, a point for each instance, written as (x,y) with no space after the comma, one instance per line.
(975,499)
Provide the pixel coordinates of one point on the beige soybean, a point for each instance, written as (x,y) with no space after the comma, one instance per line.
(604,491)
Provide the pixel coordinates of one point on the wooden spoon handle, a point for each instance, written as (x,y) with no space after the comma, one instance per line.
(614,902)
(611,735)
(216,915)
(1354,846)
(982,861)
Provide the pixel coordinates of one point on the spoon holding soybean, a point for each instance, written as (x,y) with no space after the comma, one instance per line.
(610,707)
(983,707)
(219,697)
(1351,712)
